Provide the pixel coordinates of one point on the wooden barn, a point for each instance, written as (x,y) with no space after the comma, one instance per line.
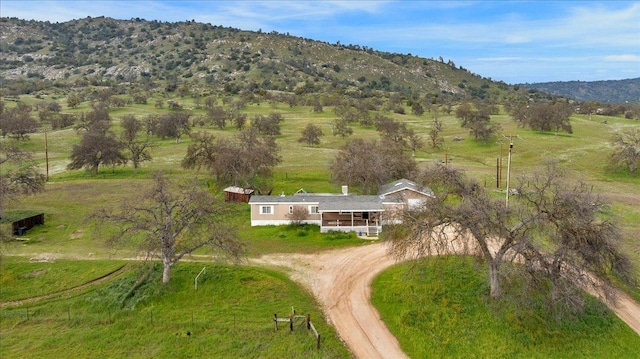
(237,194)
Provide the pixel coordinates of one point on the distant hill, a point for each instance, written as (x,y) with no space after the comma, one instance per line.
(619,91)
(203,58)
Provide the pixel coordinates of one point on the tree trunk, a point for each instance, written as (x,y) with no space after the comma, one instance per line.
(166,272)
(494,281)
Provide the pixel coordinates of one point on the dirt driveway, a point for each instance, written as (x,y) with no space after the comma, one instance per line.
(341,281)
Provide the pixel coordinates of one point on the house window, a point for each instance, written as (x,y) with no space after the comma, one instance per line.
(266,209)
(313,209)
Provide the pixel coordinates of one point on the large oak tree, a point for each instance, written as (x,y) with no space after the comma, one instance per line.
(246,160)
(172,220)
(553,230)
(544,116)
(98,146)
(477,119)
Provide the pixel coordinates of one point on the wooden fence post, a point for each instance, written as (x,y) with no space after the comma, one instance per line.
(275,320)
(291,322)
(308,321)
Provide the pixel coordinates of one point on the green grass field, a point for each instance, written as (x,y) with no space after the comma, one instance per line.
(230,315)
(439,308)
(238,302)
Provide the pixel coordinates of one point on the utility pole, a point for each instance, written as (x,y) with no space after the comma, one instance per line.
(509,170)
(46,153)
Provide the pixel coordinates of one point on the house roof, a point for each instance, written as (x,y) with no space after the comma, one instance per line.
(264,199)
(351,203)
(329,202)
(332,202)
(403,184)
(239,190)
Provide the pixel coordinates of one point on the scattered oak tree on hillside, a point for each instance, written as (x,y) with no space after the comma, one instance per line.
(477,121)
(172,221)
(544,116)
(98,117)
(246,160)
(413,140)
(267,125)
(369,164)
(626,150)
(391,129)
(98,146)
(435,138)
(553,231)
(172,125)
(311,135)
(17,122)
(341,128)
(138,148)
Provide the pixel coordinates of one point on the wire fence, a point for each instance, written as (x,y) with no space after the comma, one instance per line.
(186,322)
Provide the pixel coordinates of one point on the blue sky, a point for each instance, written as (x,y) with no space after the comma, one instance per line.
(512,41)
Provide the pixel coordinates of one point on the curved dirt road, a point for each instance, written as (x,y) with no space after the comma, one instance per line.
(341,281)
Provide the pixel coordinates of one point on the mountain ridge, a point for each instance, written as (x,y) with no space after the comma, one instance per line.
(607,91)
(102,51)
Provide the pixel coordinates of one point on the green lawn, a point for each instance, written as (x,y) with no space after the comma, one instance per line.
(230,315)
(439,308)
(22,278)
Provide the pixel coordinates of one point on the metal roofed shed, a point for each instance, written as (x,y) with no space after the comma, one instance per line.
(237,194)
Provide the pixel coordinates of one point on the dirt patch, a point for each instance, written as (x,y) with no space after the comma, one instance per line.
(77,234)
(341,281)
(43,257)
(36,273)
(624,198)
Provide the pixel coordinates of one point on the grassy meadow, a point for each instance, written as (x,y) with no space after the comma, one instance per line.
(230,315)
(237,302)
(438,308)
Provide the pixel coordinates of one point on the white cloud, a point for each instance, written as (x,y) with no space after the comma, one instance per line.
(623,58)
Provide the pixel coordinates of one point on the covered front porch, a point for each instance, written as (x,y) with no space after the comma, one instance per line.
(364,222)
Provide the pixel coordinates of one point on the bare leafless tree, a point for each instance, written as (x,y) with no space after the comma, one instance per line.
(19,174)
(413,140)
(435,137)
(138,147)
(298,215)
(552,230)
(367,164)
(171,221)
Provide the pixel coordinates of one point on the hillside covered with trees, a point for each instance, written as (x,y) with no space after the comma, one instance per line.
(190,57)
(618,91)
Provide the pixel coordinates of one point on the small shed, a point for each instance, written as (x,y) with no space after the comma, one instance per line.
(237,194)
(22,225)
